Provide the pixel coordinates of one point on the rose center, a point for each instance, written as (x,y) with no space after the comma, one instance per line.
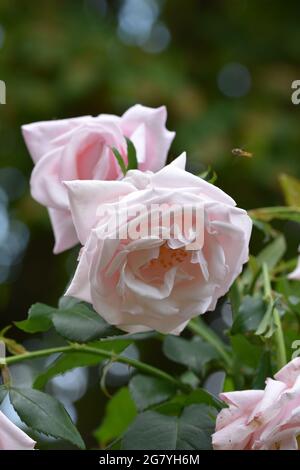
(168,257)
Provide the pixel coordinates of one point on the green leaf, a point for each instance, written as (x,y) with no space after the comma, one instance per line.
(272,253)
(119,414)
(172,407)
(250,314)
(264,370)
(192,354)
(39,319)
(245,353)
(65,303)
(266,214)
(147,391)
(201,396)
(81,324)
(291,189)
(131,155)
(45,414)
(120,160)
(267,325)
(69,361)
(270,256)
(154,431)
(175,406)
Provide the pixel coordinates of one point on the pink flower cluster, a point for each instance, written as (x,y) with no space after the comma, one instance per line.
(262,419)
(154,282)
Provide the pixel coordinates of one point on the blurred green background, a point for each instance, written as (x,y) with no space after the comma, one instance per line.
(224,70)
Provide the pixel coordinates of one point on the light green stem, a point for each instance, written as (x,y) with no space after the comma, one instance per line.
(142,366)
(279,337)
(198,327)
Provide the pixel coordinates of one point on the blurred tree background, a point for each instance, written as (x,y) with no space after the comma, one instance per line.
(223,68)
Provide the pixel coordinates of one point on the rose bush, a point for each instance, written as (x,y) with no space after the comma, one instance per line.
(104,182)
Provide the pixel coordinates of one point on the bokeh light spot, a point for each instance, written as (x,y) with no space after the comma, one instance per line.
(234,80)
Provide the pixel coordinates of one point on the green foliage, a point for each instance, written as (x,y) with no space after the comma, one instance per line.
(249,315)
(132,163)
(45,414)
(149,391)
(154,431)
(120,160)
(131,156)
(39,319)
(119,414)
(76,322)
(193,354)
(81,324)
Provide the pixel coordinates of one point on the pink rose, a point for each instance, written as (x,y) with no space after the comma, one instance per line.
(80,149)
(12,438)
(295,275)
(154,283)
(262,419)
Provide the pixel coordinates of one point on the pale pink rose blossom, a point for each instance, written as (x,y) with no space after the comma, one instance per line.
(262,419)
(153,283)
(80,148)
(295,275)
(13,438)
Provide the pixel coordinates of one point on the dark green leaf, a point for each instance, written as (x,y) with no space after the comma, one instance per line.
(81,324)
(131,155)
(147,391)
(201,396)
(172,407)
(119,414)
(120,160)
(267,325)
(175,406)
(195,427)
(250,314)
(39,319)
(154,431)
(245,353)
(65,303)
(45,414)
(264,370)
(192,354)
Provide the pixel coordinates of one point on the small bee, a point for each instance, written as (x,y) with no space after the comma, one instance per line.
(241,153)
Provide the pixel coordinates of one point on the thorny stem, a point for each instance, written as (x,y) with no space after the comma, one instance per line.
(74,347)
